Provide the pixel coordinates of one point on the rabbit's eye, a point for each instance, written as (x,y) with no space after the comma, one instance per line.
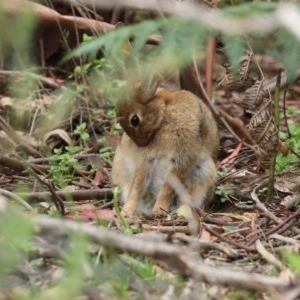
(135,121)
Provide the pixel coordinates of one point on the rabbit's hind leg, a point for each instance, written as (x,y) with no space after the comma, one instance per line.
(136,191)
(165,199)
(201,183)
(170,191)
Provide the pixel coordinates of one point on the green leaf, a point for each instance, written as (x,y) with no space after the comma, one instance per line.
(73,149)
(141,36)
(78,166)
(113,42)
(85,136)
(250,9)
(286,50)
(235,48)
(15,231)
(293,260)
(177,48)
(80,128)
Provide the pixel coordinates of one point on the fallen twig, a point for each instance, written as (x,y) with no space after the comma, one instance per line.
(58,201)
(262,207)
(20,165)
(66,195)
(177,258)
(285,239)
(16,198)
(288,221)
(166,229)
(268,256)
(44,80)
(224,239)
(12,163)
(198,244)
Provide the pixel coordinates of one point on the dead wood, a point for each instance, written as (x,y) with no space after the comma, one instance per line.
(79,195)
(238,128)
(229,240)
(45,81)
(57,33)
(210,60)
(177,258)
(12,163)
(286,224)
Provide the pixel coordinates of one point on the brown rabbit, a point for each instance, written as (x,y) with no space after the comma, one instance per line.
(166,135)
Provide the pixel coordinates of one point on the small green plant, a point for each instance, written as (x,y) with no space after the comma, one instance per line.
(111,113)
(106,153)
(263,191)
(83,134)
(146,270)
(241,295)
(116,196)
(94,64)
(15,239)
(224,192)
(286,162)
(293,260)
(115,127)
(63,166)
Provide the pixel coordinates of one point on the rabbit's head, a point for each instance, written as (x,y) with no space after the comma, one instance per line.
(141,114)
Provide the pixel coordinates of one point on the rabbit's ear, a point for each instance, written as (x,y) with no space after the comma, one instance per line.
(145,91)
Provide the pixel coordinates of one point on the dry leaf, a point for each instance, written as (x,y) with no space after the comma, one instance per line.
(231,158)
(62,134)
(6,102)
(99,177)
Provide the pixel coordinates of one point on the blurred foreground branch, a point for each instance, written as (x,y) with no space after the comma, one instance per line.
(177,258)
(215,19)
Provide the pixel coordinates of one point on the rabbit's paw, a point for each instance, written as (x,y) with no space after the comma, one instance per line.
(159,211)
(128,210)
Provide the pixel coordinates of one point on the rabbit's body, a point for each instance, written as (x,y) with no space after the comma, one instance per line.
(169,151)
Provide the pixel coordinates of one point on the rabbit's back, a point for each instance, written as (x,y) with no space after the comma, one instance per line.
(188,126)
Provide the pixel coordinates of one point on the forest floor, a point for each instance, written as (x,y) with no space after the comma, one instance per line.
(55,164)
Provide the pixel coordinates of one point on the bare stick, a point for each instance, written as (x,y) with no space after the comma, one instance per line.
(177,258)
(16,198)
(212,18)
(74,195)
(273,159)
(268,256)
(286,224)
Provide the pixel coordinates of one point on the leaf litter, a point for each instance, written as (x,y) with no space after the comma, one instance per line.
(233,251)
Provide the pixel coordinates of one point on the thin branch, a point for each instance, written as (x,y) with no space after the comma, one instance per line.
(211,18)
(42,79)
(65,195)
(285,224)
(16,198)
(269,257)
(177,258)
